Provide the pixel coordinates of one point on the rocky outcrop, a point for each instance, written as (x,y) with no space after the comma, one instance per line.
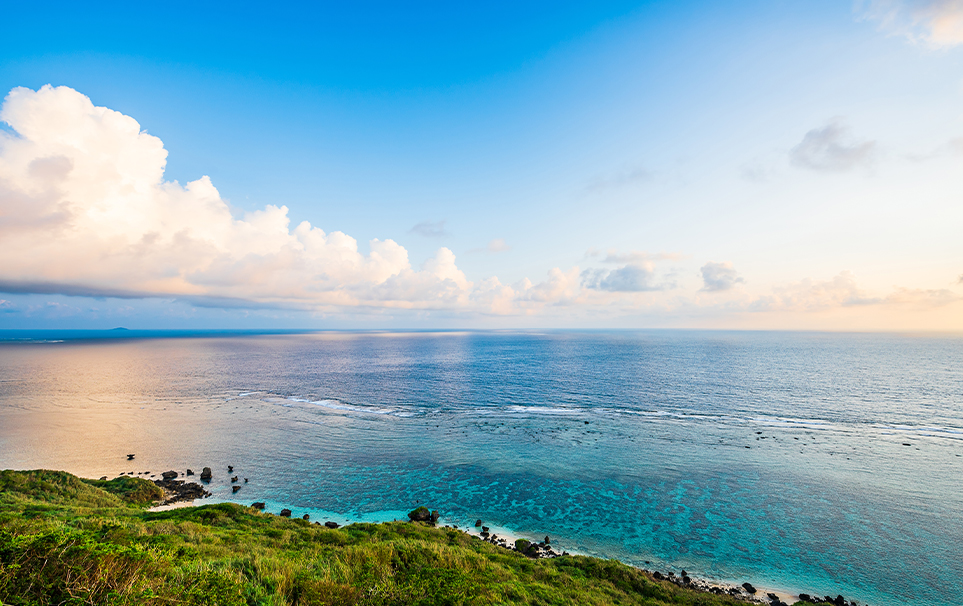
(178,490)
(206,474)
(423,514)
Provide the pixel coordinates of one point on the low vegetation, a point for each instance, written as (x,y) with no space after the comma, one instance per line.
(64,540)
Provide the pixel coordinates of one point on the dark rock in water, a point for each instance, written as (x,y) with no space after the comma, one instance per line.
(178,490)
(304,517)
(772,597)
(206,474)
(484,528)
(235,488)
(234,479)
(547,540)
(839,601)
(258,505)
(103,478)
(477,523)
(230,469)
(169,475)
(749,588)
(434,516)
(331,525)
(245,480)
(130,457)
(190,472)
(421,514)
(686,579)
(657,575)
(285,513)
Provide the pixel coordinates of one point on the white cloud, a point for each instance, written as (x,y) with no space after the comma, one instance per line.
(85,210)
(718,277)
(809,295)
(831,148)
(937,23)
(629,278)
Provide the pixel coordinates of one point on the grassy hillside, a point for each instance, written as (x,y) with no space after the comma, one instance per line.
(64,540)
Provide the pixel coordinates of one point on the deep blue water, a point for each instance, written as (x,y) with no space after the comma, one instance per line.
(824,463)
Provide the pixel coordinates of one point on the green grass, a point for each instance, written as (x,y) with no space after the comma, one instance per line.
(64,540)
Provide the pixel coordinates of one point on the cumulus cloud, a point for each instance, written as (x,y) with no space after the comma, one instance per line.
(630,278)
(937,23)
(832,149)
(430,229)
(85,210)
(718,277)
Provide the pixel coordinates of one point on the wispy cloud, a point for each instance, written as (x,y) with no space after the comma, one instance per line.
(619,179)
(936,23)
(832,149)
(806,295)
(612,255)
(498,245)
(430,229)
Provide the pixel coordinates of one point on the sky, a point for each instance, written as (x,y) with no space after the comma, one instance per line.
(741,165)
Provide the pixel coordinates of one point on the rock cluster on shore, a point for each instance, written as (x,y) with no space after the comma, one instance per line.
(179,490)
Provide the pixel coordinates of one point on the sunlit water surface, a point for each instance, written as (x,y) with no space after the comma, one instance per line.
(811,462)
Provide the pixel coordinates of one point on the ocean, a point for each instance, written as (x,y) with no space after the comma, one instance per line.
(816,462)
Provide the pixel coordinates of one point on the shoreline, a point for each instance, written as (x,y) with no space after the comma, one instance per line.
(180,493)
(506,538)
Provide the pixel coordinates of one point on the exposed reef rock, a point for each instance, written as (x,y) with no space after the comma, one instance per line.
(178,490)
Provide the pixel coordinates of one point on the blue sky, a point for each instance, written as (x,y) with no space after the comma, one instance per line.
(621,164)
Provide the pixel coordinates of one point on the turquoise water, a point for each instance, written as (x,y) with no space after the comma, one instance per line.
(821,463)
